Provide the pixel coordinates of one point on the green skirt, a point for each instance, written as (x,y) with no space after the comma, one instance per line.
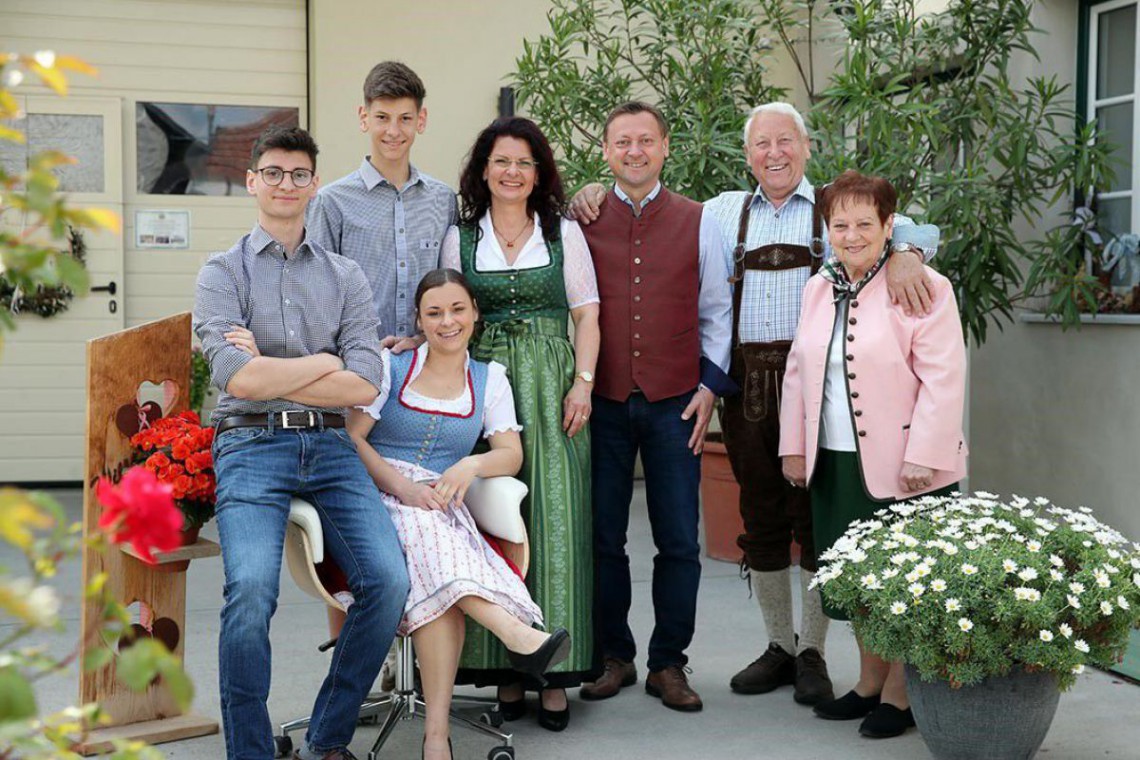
(556,469)
(838,499)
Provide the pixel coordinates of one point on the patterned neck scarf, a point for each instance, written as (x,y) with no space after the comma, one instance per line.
(841,285)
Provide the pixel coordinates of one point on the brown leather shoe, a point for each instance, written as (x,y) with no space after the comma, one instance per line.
(671,685)
(618,674)
(771,670)
(813,685)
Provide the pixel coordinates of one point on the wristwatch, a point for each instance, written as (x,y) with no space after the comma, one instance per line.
(586,377)
(901,247)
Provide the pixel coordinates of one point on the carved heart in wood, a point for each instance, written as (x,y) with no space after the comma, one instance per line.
(153,401)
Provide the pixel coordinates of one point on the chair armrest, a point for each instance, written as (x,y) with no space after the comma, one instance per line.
(304,516)
(495,504)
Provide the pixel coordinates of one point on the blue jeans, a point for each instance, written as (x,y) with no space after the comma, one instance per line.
(672,483)
(259,471)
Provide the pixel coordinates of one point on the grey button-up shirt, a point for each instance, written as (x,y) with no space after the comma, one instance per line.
(393,233)
(312,302)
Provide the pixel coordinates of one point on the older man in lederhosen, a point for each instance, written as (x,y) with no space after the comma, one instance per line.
(774,242)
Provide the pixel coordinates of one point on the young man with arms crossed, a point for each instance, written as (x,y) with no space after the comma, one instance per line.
(387,215)
(290,334)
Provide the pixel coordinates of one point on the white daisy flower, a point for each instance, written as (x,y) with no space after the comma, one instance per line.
(953,605)
(1102,578)
(1136,579)
(898,559)
(1027,574)
(911,577)
(898,608)
(889,573)
(916,589)
(1057,561)
(1033,546)
(1041,501)
(1122,603)
(1009,566)
(966,624)
(969,569)
(871,581)
(1056,574)
(1077,588)
(1045,636)
(1106,608)
(1066,630)
(938,585)
(971,545)
(1073,602)
(1135,562)
(1078,669)
(1081,646)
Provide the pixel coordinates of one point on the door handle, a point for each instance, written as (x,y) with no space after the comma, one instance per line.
(108,288)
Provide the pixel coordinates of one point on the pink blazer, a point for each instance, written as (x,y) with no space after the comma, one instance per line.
(906,378)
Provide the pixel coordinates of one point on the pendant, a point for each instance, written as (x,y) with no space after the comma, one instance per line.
(510,245)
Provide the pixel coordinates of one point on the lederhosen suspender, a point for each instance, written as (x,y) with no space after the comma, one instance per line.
(761,363)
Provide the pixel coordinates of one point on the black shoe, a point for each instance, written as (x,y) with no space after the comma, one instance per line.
(553,720)
(813,685)
(848,707)
(886,721)
(514,709)
(771,670)
(554,650)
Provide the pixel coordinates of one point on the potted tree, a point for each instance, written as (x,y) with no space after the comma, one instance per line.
(994,606)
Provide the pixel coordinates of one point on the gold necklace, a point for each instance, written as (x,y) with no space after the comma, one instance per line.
(511,242)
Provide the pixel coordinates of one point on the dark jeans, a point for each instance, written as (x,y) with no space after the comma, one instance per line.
(672,483)
(774,512)
(259,471)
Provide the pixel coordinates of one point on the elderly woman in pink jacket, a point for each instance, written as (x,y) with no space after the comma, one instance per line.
(872,406)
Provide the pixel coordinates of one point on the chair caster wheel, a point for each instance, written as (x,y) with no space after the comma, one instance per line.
(492,718)
(501,753)
(283,746)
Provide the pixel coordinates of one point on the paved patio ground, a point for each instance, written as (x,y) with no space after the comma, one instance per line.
(1099,718)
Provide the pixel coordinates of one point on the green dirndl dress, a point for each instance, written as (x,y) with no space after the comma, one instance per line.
(524,327)
(837,500)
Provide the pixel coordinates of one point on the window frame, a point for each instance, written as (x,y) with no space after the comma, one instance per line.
(1088,103)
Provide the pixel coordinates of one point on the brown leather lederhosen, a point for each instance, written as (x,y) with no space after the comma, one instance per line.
(774,512)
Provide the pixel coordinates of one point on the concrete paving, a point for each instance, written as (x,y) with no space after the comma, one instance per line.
(1099,718)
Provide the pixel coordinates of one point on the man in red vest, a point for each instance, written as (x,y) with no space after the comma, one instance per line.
(666,323)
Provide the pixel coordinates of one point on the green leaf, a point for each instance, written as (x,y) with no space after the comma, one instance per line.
(17,700)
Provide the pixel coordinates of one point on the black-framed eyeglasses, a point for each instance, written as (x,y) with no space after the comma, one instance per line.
(275,175)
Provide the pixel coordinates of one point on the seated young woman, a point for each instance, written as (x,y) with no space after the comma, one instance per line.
(415,440)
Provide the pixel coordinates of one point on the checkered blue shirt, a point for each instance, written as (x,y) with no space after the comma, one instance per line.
(770,304)
(313,302)
(393,233)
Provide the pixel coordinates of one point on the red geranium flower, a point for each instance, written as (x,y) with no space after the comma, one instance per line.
(140,511)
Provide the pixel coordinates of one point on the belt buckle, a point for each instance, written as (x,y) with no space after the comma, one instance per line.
(310,422)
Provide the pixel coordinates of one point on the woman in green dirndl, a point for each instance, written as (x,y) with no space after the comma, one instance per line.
(530,269)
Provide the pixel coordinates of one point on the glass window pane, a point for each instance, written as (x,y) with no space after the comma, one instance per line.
(1116,53)
(1115,216)
(79,136)
(190,149)
(1115,125)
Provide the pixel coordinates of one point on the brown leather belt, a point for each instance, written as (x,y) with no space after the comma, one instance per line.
(300,419)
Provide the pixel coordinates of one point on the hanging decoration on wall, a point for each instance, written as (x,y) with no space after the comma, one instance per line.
(45,301)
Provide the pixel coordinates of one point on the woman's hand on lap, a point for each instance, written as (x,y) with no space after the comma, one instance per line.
(423,496)
(453,483)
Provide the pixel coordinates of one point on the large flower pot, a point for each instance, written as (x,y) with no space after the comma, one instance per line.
(720,502)
(1002,718)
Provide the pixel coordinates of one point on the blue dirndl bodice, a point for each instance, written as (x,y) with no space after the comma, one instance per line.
(429,439)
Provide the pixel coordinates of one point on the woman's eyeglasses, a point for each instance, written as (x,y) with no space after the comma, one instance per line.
(524,164)
(275,175)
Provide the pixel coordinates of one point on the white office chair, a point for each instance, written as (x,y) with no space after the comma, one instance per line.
(494,503)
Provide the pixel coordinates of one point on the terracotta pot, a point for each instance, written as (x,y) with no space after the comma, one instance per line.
(189,537)
(720,502)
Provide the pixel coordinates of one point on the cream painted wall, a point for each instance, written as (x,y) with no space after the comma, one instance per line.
(1054,412)
(462,51)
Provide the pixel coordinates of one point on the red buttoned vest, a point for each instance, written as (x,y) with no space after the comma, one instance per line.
(648,270)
